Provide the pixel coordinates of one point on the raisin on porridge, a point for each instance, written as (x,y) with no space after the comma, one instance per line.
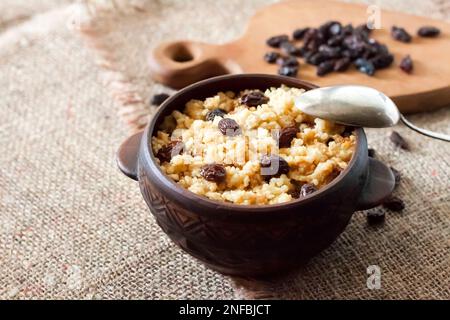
(251,147)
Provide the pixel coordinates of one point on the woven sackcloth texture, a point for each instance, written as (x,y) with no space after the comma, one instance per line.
(74,84)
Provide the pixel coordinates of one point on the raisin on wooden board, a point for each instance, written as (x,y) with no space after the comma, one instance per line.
(428,32)
(400,34)
(407,64)
(276,41)
(271,57)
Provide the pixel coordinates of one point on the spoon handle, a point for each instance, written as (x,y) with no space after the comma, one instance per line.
(432,134)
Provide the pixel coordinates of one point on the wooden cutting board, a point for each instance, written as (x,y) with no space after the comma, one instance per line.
(181,63)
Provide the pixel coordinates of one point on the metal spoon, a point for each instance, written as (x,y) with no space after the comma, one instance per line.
(356,106)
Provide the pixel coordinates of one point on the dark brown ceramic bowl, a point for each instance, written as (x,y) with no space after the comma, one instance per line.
(251,239)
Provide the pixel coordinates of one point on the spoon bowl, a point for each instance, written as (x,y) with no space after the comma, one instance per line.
(350,105)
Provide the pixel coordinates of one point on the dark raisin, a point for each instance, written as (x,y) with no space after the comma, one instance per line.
(335,41)
(170,150)
(271,57)
(310,35)
(330,28)
(335,29)
(399,141)
(295,194)
(407,64)
(325,67)
(290,49)
(400,34)
(254,98)
(371,153)
(229,127)
(397,176)
(286,136)
(363,31)
(330,52)
(382,61)
(365,66)
(375,217)
(288,61)
(348,29)
(298,34)
(428,32)
(394,203)
(215,113)
(273,166)
(288,71)
(316,58)
(342,64)
(213,172)
(307,189)
(276,41)
(158,99)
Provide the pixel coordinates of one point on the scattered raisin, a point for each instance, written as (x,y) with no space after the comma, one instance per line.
(288,71)
(273,166)
(397,176)
(342,64)
(428,32)
(276,41)
(394,203)
(325,67)
(330,52)
(382,61)
(307,189)
(365,66)
(290,49)
(407,64)
(400,34)
(375,217)
(371,153)
(399,141)
(215,113)
(286,136)
(254,98)
(316,58)
(213,172)
(229,127)
(288,62)
(170,150)
(158,99)
(271,57)
(298,34)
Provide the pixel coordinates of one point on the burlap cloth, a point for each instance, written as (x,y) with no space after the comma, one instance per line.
(72,226)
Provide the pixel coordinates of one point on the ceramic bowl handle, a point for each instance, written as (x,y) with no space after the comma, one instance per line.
(127,155)
(180,63)
(379,185)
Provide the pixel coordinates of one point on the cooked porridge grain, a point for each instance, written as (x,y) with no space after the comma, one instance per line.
(234,167)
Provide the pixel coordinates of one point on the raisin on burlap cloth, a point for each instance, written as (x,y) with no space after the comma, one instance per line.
(74,83)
